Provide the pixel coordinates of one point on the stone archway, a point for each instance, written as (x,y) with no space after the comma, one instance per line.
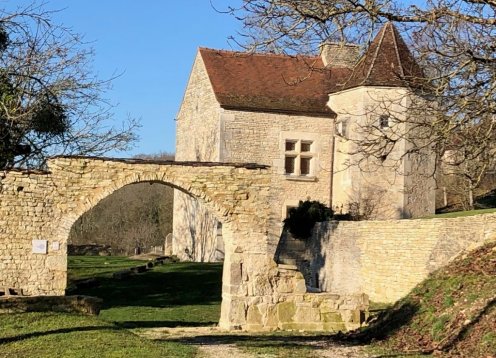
(38,209)
(44,205)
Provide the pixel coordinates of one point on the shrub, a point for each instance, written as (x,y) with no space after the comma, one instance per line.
(302,219)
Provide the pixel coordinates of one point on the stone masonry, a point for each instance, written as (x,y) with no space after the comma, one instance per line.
(257,107)
(37,210)
(384,259)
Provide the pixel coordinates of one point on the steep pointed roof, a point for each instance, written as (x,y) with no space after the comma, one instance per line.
(387,62)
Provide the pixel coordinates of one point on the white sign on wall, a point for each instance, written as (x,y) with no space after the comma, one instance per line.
(40,246)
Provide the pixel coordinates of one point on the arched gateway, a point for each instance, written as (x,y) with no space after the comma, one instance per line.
(38,209)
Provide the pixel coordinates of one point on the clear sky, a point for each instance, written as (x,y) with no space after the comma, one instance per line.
(153,43)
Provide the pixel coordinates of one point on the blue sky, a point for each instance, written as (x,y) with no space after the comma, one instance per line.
(153,44)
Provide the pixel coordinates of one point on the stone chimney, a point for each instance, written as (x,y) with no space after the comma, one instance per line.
(339,54)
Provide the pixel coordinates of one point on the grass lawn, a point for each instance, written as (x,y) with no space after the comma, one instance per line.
(458,214)
(48,335)
(81,267)
(174,294)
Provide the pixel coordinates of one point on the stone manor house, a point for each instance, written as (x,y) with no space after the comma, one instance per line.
(294,114)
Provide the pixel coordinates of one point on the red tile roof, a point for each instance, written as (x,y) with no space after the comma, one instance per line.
(301,84)
(268,82)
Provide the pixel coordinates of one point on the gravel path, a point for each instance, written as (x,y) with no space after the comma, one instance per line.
(215,343)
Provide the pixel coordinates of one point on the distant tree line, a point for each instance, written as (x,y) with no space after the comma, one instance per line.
(137,215)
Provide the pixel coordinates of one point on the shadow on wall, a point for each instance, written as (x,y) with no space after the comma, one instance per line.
(328,266)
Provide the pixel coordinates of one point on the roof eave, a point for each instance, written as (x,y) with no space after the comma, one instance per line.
(327,114)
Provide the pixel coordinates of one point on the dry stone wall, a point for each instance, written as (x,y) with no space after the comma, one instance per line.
(386,259)
(38,209)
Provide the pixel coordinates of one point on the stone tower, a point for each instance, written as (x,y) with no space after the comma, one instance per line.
(377,101)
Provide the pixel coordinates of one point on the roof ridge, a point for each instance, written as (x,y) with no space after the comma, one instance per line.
(265,54)
(396,50)
(374,58)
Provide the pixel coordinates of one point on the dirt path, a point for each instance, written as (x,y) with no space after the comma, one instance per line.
(215,343)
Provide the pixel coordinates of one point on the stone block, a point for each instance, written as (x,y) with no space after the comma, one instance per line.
(300,326)
(253,316)
(331,317)
(284,286)
(306,314)
(300,286)
(334,327)
(236,276)
(286,311)
(271,317)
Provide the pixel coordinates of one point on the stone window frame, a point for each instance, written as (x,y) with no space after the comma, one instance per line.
(300,138)
(287,205)
(342,127)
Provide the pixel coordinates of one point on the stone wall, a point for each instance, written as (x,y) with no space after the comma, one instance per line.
(197,139)
(207,132)
(260,137)
(386,259)
(38,209)
(393,187)
(284,303)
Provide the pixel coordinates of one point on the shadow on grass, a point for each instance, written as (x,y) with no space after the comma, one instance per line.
(159,324)
(164,286)
(261,340)
(22,337)
(387,323)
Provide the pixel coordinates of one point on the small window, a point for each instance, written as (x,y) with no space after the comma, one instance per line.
(290,146)
(298,157)
(384,121)
(306,146)
(341,128)
(305,166)
(289,165)
(289,208)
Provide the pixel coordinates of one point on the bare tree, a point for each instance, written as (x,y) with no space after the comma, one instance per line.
(50,101)
(136,215)
(453,41)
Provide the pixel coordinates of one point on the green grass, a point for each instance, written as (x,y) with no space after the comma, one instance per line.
(439,308)
(458,214)
(47,335)
(174,294)
(180,294)
(489,339)
(81,267)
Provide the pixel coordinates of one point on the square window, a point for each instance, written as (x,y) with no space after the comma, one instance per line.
(384,121)
(305,166)
(290,146)
(298,157)
(289,165)
(306,146)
